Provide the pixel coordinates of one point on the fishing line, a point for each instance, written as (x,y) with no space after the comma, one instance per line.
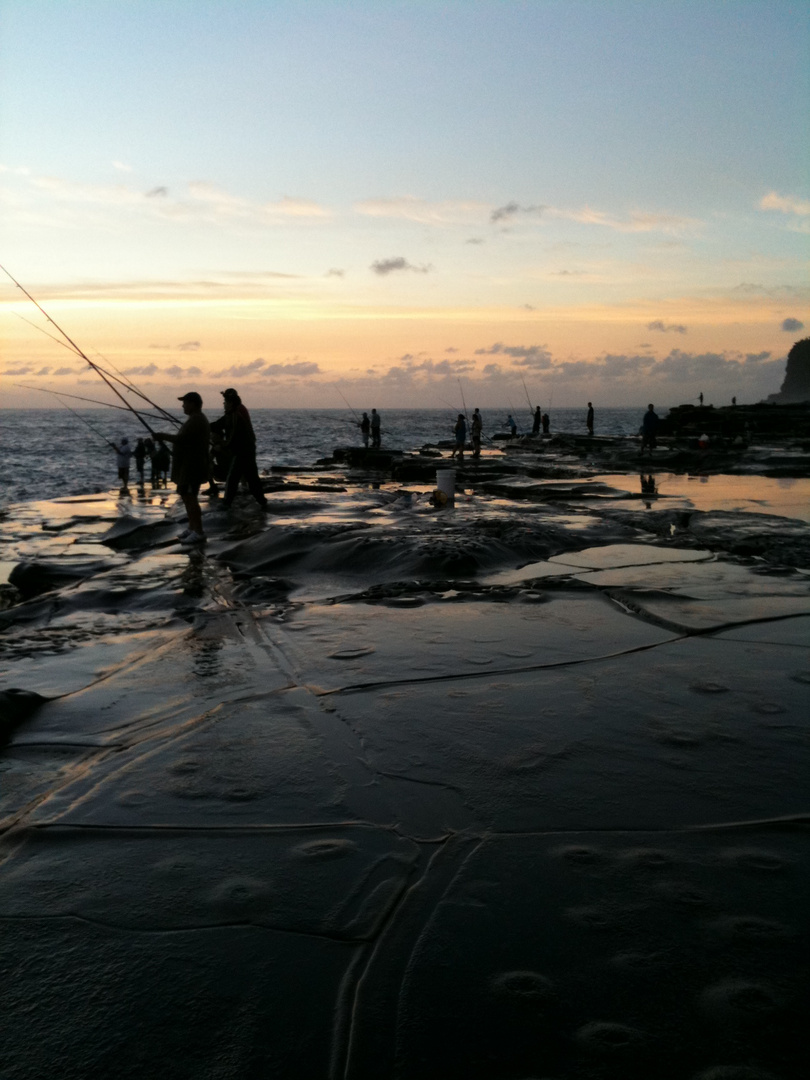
(351,410)
(78,397)
(76,348)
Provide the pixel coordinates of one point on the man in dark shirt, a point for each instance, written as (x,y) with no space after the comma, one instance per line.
(589,419)
(190,462)
(649,426)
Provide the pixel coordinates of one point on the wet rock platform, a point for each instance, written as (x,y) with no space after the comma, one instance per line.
(363,789)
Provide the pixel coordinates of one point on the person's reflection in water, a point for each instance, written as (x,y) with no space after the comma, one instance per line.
(648,488)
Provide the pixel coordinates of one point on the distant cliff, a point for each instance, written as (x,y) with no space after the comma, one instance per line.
(796,385)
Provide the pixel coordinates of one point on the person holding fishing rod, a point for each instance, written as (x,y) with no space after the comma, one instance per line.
(476,431)
(190,463)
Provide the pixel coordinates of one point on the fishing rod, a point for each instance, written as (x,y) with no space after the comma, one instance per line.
(128,384)
(463,402)
(63,393)
(531,410)
(351,410)
(84,420)
(76,349)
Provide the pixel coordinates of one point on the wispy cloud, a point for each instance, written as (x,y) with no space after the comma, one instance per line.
(297,369)
(667,328)
(142,369)
(410,208)
(638,221)
(68,202)
(177,372)
(390,266)
(512,209)
(786,204)
(189,346)
(529,356)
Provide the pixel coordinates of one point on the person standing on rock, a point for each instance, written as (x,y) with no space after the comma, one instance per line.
(476,431)
(365,428)
(140,458)
(649,426)
(240,441)
(460,432)
(546,423)
(510,423)
(190,463)
(589,419)
(375,429)
(123,453)
(537,419)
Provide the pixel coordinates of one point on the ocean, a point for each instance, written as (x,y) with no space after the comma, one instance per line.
(48,453)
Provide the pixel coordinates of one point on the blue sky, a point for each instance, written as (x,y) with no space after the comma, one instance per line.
(332,187)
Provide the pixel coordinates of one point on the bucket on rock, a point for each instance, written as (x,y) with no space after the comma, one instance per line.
(446,482)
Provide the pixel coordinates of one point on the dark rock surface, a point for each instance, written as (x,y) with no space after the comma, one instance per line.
(365,789)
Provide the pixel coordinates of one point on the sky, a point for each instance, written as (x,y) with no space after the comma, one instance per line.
(394,203)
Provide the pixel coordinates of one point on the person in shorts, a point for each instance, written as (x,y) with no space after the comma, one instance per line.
(190,463)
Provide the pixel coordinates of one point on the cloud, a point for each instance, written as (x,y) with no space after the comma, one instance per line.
(54,200)
(160,346)
(335,272)
(504,213)
(530,356)
(238,371)
(786,204)
(18,371)
(756,358)
(474,240)
(298,368)
(142,369)
(388,266)
(666,328)
(189,346)
(409,208)
(177,372)
(65,371)
(792,325)
(450,349)
(44,371)
(121,166)
(637,221)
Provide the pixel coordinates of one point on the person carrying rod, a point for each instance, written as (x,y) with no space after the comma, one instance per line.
(190,463)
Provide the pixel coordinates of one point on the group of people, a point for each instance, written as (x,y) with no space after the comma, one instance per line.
(370,426)
(159,460)
(200,451)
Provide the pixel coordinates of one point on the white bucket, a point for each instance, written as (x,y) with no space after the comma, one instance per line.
(446,482)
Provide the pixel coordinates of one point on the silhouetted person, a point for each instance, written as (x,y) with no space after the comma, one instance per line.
(510,423)
(365,428)
(375,429)
(733,402)
(149,447)
(123,453)
(239,439)
(460,432)
(546,423)
(589,419)
(649,426)
(537,420)
(190,462)
(476,431)
(140,457)
(700,398)
(162,462)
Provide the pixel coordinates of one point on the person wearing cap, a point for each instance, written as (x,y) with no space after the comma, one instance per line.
(190,462)
(239,439)
(123,453)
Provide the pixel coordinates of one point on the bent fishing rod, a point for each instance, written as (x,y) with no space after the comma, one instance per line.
(128,384)
(351,410)
(77,350)
(86,421)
